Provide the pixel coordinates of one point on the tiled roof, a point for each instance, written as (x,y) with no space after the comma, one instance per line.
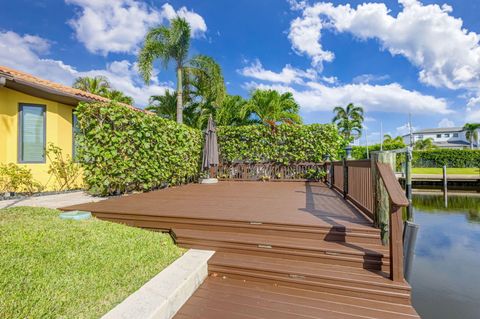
(25,78)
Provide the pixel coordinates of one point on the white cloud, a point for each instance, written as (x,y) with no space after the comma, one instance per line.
(105,26)
(288,74)
(446,123)
(370,78)
(473,115)
(21,52)
(446,54)
(384,98)
(405,129)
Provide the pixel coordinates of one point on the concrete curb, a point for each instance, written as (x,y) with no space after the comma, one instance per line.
(165,294)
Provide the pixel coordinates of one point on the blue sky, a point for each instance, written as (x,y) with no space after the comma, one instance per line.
(392,57)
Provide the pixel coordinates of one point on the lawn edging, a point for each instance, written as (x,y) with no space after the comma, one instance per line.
(165,294)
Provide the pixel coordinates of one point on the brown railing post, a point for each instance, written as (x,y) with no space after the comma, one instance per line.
(397,200)
(332,174)
(396,243)
(345,178)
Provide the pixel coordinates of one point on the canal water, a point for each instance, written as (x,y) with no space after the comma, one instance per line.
(446,271)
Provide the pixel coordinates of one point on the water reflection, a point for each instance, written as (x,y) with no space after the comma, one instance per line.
(446,273)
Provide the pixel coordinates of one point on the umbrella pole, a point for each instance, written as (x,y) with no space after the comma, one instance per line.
(212,171)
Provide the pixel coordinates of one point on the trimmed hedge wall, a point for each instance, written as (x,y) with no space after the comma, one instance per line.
(124,150)
(360,152)
(449,157)
(286,144)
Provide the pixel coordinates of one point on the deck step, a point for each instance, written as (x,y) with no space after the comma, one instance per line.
(234,298)
(336,279)
(351,233)
(346,254)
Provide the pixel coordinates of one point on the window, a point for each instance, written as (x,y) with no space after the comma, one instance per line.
(75,131)
(455,134)
(420,136)
(439,135)
(31,133)
(446,135)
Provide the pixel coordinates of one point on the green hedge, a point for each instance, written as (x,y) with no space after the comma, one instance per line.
(360,152)
(449,157)
(286,144)
(124,150)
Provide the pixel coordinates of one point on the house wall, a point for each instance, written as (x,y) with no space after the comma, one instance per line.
(58,131)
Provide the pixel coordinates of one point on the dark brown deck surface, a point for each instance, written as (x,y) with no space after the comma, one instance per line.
(283,250)
(291,203)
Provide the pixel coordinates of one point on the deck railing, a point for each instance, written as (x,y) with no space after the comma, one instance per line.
(356,181)
(270,171)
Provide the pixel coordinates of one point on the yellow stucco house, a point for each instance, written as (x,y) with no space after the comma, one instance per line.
(33,113)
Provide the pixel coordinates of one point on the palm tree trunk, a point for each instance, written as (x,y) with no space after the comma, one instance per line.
(179,96)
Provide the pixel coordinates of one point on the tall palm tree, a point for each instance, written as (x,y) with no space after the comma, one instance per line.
(349,120)
(167,44)
(119,96)
(471,132)
(164,105)
(96,85)
(424,144)
(270,107)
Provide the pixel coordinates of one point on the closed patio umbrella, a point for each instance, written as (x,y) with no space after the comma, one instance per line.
(210,151)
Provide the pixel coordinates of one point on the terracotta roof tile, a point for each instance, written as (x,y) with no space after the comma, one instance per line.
(15,74)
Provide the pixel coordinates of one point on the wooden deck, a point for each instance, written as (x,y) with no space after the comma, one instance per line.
(284,250)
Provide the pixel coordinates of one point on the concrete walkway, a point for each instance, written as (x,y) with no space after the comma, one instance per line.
(52,201)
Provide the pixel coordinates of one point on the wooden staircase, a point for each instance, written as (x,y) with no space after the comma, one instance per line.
(292,272)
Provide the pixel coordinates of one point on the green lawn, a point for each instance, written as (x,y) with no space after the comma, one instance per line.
(52,268)
(435,170)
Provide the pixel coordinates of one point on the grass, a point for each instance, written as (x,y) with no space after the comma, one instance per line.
(53,268)
(438,170)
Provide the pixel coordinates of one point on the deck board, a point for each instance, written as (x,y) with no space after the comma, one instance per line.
(284,250)
(290,203)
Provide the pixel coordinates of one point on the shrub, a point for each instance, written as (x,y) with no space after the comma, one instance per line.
(449,157)
(125,150)
(286,144)
(62,168)
(360,152)
(17,179)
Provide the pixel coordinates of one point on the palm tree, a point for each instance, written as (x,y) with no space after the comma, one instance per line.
(164,105)
(231,112)
(204,89)
(270,107)
(388,139)
(349,120)
(471,132)
(119,96)
(96,85)
(167,43)
(424,144)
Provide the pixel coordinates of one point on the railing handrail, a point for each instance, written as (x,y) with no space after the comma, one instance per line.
(394,190)
(398,200)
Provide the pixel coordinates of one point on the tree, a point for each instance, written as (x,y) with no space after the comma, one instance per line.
(349,120)
(167,44)
(119,96)
(164,105)
(205,89)
(471,132)
(388,139)
(96,85)
(424,144)
(231,112)
(271,108)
